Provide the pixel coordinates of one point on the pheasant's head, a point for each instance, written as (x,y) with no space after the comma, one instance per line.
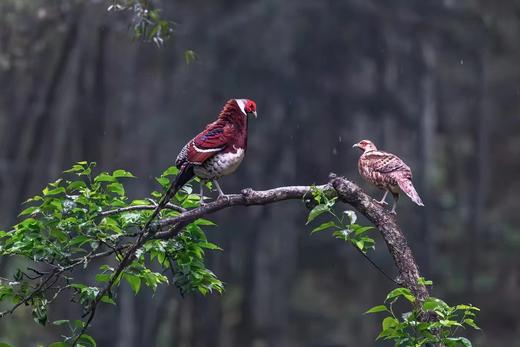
(248,107)
(238,110)
(365,146)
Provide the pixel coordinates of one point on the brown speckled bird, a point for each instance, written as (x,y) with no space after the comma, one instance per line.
(386,171)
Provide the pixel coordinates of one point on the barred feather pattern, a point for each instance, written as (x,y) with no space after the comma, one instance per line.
(388,172)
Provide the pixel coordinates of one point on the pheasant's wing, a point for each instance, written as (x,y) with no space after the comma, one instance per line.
(214,139)
(393,170)
(387,163)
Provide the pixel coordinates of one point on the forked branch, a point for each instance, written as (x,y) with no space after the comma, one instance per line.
(346,192)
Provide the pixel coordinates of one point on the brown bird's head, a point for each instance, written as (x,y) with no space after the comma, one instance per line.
(365,145)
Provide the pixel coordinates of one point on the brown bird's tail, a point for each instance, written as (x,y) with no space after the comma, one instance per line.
(408,188)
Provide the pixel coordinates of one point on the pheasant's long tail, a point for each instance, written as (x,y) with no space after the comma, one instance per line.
(408,188)
(185,174)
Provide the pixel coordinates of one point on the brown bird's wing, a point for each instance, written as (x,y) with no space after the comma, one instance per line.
(386,163)
(392,170)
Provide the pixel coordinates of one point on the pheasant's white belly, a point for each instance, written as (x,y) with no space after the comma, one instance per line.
(221,164)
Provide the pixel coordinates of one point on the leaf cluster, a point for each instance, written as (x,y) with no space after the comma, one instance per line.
(343,225)
(84,217)
(147,22)
(431,322)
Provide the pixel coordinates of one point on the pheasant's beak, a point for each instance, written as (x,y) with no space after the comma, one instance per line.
(356,145)
(253,113)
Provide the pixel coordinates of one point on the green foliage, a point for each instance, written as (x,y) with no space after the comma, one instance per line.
(430,322)
(148,24)
(84,217)
(410,328)
(344,226)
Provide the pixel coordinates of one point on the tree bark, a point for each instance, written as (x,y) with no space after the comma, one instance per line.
(346,191)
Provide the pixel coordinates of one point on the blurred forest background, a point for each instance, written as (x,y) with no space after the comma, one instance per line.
(437,82)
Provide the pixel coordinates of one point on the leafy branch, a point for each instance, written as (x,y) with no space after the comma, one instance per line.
(83,217)
(147,22)
(412,329)
(344,225)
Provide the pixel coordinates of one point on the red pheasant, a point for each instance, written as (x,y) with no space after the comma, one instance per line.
(387,171)
(218,150)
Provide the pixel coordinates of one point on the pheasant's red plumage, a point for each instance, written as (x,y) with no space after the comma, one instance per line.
(386,171)
(219,149)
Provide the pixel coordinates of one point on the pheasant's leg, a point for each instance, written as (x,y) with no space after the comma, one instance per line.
(382,201)
(220,192)
(396,197)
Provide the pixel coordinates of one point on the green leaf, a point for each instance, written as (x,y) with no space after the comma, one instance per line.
(78,323)
(202,221)
(378,308)
(163,181)
(52,192)
(134,282)
(108,300)
(449,323)
(342,234)
(89,339)
(359,244)
(317,211)
(358,230)
(434,304)
(471,323)
(189,56)
(467,307)
(104,177)
(60,322)
(117,188)
(140,202)
(324,226)
(39,310)
(76,168)
(103,277)
(171,171)
(425,282)
(76,185)
(389,322)
(400,292)
(210,245)
(462,340)
(4,344)
(122,173)
(59,344)
(29,210)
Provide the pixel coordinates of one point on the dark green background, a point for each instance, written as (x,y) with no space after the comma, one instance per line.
(437,82)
